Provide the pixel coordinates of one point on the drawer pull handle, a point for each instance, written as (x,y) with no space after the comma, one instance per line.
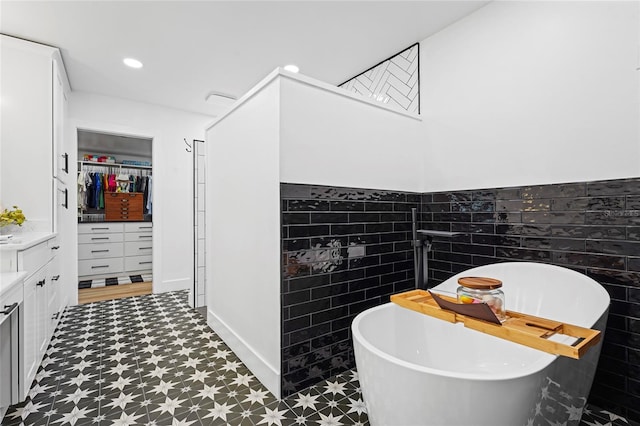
(55,247)
(41,283)
(145,236)
(55,278)
(145,227)
(99,238)
(144,263)
(145,248)
(99,251)
(99,266)
(8,309)
(99,229)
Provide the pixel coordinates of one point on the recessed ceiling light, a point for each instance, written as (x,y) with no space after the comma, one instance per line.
(291,68)
(133,63)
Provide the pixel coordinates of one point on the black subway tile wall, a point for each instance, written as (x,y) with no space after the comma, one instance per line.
(592,227)
(343,250)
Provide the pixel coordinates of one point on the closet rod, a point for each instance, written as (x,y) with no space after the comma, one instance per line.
(119,165)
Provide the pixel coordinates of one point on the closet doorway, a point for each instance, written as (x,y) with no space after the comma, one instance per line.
(115,216)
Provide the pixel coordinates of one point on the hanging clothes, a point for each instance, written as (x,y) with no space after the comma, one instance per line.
(82,191)
(149,195)
(93,186)
(112,183)
(97,188)
(88,182)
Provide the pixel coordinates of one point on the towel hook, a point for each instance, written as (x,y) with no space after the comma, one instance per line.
(187,144)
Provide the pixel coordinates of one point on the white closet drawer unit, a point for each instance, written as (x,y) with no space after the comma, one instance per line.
(100,228)
(138,236)
(138,227)
(138,248)
(137,263)
(100,250)
(100,266)
(100,238)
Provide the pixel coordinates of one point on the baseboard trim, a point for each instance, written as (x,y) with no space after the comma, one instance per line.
(265,372)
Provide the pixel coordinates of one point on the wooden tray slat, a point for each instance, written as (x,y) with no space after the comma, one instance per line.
(527,330)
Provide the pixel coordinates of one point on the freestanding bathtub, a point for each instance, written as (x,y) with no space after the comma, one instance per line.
(419,370)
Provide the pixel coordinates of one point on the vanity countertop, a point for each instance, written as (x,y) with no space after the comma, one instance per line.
(26,240)
(9,279)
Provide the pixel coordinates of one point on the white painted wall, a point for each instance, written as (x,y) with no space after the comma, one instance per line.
(243,233)
(522,93)
(288,128)
(172,173)
(333,139)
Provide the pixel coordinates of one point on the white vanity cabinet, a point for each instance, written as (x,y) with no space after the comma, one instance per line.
(35,257)
(108,249)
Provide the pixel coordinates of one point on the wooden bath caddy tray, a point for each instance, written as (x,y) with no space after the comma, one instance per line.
(520,328)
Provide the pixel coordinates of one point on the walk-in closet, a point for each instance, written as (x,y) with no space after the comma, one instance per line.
(115,216)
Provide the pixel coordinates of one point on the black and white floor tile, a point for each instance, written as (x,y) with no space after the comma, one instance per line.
(152,360)
(102,282)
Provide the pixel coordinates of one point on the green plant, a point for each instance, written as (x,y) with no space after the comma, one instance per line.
(12,217)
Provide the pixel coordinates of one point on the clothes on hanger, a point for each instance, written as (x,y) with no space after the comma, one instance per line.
(93,185)
(149,196)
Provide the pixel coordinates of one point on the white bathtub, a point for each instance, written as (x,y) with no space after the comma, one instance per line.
(418,370)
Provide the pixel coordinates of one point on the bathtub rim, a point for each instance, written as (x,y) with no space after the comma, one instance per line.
(540,364)
(446,287)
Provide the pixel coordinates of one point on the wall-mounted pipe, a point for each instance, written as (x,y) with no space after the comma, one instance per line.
(421,242)
(417,250)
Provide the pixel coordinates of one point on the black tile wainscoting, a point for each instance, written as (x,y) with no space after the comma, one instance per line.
(343,250)
(591,227)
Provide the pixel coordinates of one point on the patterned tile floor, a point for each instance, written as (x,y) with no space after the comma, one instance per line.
(152,360)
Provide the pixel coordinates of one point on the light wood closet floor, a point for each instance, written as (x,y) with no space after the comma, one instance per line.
(99,294)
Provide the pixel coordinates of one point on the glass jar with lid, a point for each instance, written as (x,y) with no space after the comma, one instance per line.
(483,290)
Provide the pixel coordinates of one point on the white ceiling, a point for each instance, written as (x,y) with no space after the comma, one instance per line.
(192,48)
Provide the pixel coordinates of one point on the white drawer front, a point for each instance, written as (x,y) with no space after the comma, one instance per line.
(33,258)
(138,227)
(100,238)
(137,263)
(54,245)
(138,248)
(100,266)
(100,228)
(138,236)
(100,250)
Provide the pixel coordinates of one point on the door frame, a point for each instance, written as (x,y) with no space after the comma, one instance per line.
(112,129)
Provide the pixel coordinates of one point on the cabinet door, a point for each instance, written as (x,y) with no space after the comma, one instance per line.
(42,305)
(54,296)
(60,166)
(32,330)
(26,131)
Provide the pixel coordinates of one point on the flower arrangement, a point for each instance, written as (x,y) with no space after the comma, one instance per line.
(12,217)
